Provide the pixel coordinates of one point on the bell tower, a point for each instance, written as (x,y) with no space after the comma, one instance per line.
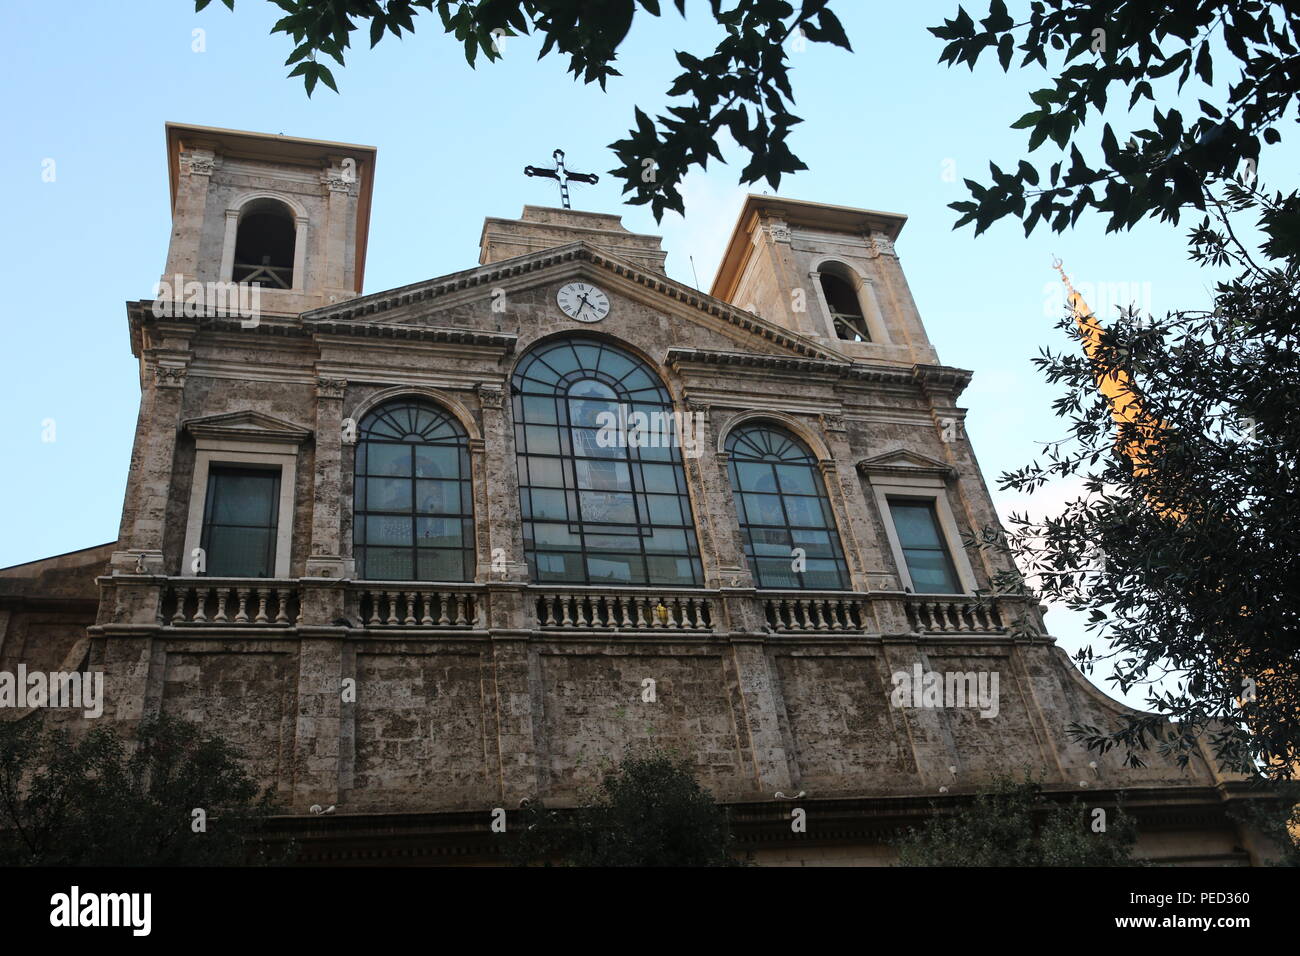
(827,272)
(288,215)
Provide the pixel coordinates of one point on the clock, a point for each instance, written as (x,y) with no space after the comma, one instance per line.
(582,302)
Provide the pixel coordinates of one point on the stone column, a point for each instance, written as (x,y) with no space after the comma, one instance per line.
(772,771)
(188,211)
(318,727)
(325,559)
(149,481)
(499,522)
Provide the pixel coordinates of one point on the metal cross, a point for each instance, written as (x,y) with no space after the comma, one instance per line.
(562,175)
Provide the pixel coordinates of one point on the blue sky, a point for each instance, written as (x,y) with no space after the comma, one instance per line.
(90,84)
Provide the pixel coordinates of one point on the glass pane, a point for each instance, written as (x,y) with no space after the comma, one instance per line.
(555,537)
(616,568)
(930,571)
(440,565)
(386,529)
(661,478)
(593,413)
(608,507)
(539,410)
(797,480)
(546,472)
(243,498)
(764,509)
(665,569)
(666,541)
(438,532)
(603,476)
(238,552)
(775,572)
(613,542)
(549,504)
(437,497)
(388,494)
(915,524)
(755,476)
(805,511)
(771,541)
(542,439)
(595,443)
(815,543)
(819,573)
(665,509)
(386,459)
(389,564)
(559,567)
(437,461)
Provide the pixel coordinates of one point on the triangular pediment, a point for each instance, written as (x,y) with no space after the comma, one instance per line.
(247,426)
(460,305)
(903,462)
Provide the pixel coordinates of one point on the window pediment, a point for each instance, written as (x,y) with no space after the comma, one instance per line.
(247,426)
(902,463)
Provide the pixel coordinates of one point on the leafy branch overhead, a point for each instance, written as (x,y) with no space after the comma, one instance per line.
(741,88)
(1133,46)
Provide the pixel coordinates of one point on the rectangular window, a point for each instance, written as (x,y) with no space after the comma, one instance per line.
(924,549)
(240,518)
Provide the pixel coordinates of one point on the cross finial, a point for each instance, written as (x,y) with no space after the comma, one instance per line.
(562,175)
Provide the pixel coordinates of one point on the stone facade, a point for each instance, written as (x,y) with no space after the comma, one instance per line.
(484,693)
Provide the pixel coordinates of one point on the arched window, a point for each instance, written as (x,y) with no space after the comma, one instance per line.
(782,506)
(603,502)
(413,516)
(846,309)
(264,245)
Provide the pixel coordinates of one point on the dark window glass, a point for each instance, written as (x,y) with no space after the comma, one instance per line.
(924,550)
(413,517)
(782,505)
(599,508)
(846,310)
(239,522)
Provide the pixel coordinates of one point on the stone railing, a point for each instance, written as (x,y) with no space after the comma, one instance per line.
(221,602)
(623,609)
(954,615)
(406,604)
(801,612)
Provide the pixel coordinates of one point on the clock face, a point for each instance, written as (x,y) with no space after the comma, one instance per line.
(582,301)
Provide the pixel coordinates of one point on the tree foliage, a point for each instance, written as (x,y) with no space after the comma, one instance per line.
(1016,824)
(1187,562)
(742,87)
(90,800)
(648,811)
(1145,51)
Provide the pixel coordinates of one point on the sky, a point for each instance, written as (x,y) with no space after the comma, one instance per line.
(87,87)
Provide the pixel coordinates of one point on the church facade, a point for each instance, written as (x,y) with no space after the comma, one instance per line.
(445,548)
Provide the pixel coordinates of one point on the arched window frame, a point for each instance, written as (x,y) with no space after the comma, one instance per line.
(752,444)
(863,287)
(440,430)
(235,214)
(652,524)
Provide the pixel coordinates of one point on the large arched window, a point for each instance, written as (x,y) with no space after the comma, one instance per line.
(601,505)
(413,516)
(782,505)
(264,245)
